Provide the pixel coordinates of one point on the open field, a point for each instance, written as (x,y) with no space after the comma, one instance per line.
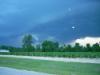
(58,54)
(51,67)
(80,60)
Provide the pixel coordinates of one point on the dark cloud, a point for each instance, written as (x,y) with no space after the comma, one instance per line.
(48,18)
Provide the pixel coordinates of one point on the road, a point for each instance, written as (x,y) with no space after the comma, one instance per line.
(11,71)
(80,60)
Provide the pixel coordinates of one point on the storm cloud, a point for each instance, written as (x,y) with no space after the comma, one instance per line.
(48,19)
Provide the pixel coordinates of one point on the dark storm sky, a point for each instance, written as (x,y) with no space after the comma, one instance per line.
(60,20)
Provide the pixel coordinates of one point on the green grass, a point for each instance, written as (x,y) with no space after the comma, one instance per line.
(59,54)
(52,67)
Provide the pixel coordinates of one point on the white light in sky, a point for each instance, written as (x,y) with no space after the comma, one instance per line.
(73,27)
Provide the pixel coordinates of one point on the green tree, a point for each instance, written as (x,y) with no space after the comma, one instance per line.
(56,46)
(27,43)
(50,46)
(96,48)
(88,47)
(68,48)
(77,47)
(38,48)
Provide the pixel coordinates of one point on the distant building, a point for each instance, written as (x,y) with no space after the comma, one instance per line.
(5,51)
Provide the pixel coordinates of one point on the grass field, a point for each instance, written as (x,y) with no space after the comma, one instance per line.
(52,67)
(58,54)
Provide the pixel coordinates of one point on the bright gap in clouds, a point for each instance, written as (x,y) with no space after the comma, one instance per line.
(86,40)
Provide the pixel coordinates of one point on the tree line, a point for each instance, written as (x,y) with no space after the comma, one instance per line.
(50,46)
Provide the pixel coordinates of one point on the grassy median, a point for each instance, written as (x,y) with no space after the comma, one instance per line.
(58,54)
(52,67)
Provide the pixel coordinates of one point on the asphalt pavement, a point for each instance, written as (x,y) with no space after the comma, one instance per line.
(11,71)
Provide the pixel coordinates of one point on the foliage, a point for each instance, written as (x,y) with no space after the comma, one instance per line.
(50,46)
(27,43)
